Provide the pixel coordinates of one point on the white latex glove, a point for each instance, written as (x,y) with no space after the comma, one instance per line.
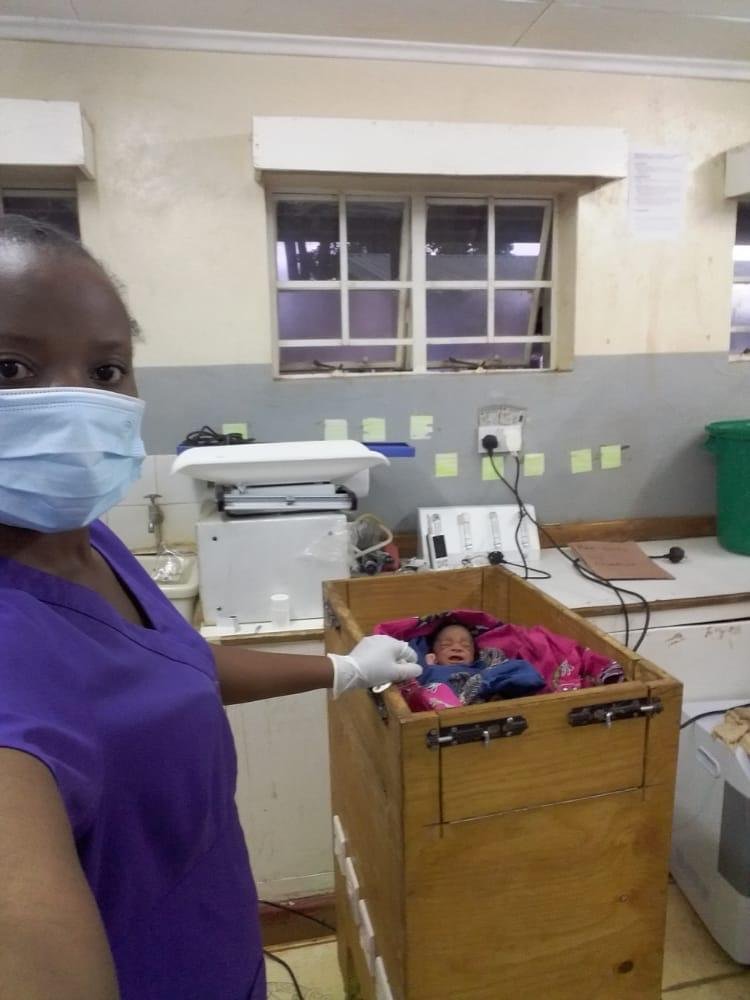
(376,659)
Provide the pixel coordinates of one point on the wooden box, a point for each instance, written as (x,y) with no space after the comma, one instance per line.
(530,867)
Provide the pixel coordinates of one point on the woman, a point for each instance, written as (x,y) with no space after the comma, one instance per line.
(123,871)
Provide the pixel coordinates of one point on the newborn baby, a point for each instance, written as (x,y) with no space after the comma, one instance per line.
(452,645)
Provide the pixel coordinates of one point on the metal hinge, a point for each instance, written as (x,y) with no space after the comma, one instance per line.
(613,711)
(476,732)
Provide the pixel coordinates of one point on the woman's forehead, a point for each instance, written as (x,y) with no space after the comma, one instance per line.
(44,291)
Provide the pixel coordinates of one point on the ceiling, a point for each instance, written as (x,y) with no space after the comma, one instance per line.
(683,29)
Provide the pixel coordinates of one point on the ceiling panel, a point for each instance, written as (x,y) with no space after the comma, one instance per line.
(586,30)
(708,8)
(490,22)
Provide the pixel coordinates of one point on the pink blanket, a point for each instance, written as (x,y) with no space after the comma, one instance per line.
(563,664)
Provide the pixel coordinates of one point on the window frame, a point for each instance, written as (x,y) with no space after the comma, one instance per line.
(42,191)
(416,202)
(738,280)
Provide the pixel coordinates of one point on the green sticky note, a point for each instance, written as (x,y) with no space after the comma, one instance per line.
(446,464)
(611,456)
(581,460)
(533,464)
(373,429)
(488,472)
(234,429)
(420,428)
(335,430)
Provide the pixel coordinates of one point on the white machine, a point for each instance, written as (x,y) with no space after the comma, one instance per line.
(460,536)
(278,524)
(711,833)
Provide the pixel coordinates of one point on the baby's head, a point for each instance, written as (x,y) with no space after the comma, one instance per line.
(452,645)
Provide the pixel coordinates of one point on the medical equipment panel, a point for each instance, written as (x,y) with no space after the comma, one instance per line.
(450,537)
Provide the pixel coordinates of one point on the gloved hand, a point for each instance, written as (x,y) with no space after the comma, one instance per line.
(376,659)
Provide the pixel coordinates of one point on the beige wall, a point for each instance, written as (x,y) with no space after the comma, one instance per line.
(178,214)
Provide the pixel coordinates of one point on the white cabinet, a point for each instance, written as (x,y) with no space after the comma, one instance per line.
(283,787)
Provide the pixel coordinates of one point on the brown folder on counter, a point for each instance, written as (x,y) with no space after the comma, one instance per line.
(619,561)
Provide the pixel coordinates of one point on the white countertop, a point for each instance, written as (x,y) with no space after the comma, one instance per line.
(707,571)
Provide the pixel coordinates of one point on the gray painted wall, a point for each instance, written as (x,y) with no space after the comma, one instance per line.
(657,405)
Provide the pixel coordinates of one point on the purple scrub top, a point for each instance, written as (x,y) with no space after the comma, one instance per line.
(129,721)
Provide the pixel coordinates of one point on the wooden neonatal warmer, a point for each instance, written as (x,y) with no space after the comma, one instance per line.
(514,849)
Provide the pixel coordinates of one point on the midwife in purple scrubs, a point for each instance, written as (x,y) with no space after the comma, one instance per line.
(123,870)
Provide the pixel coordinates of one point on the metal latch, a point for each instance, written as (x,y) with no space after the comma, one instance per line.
(613,711)
(476,732)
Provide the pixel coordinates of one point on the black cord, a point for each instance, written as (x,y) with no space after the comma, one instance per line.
(594,577)
(298,913)
(208,436)
(275,958)
(716,711)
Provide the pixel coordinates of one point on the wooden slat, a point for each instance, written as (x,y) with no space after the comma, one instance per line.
(383,598)
(639,529)
(551,762)
(663,735)
(561,903)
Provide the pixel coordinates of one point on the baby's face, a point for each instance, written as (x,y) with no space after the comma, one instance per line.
(454,645)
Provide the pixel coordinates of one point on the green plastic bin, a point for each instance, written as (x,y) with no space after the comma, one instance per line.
(729,440)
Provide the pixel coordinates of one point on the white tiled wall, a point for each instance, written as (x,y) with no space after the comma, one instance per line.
(180,499)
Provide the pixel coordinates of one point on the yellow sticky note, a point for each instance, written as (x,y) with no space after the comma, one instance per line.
(581,460)
(488,472)
(611,456)
(234,429)
(373,429)
(533,464)
(446,464)
(335,430)
(420,428)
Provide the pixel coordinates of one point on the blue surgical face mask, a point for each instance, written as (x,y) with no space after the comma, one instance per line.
(66,455)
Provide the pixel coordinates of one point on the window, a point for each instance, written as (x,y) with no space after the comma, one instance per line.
(740,331)
(57,207)
(411,283)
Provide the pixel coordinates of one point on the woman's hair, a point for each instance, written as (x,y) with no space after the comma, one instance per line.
(19,230)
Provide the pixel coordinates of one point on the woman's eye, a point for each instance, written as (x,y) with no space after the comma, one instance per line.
(109,374)
(13,371)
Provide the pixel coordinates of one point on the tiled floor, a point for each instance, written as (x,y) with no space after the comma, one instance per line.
(695,967)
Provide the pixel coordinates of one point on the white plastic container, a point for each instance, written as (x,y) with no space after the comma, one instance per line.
(710,858)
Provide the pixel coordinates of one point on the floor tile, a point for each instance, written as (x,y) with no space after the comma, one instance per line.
(316,967)
(729,988)
(690,953)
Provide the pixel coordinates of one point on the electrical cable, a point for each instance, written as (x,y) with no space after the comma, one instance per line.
(522,512)
(275,958)
(298,913)
(715,711)
(594,577)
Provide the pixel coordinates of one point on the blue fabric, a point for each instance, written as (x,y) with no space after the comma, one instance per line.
(442,675)
(512,679)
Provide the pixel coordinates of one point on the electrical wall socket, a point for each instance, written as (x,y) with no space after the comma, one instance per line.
(506,423)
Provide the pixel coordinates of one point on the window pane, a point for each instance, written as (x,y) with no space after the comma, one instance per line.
(456,313)
(350,357)
(456,239)
(741,305)
(377,314)
(513,313)
(519,255)
(374,232)
(742,242)
(496,355)
(307,234)
(309,315)
(740,343)
(60,210)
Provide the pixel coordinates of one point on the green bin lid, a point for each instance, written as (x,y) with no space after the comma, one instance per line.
(734,430)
